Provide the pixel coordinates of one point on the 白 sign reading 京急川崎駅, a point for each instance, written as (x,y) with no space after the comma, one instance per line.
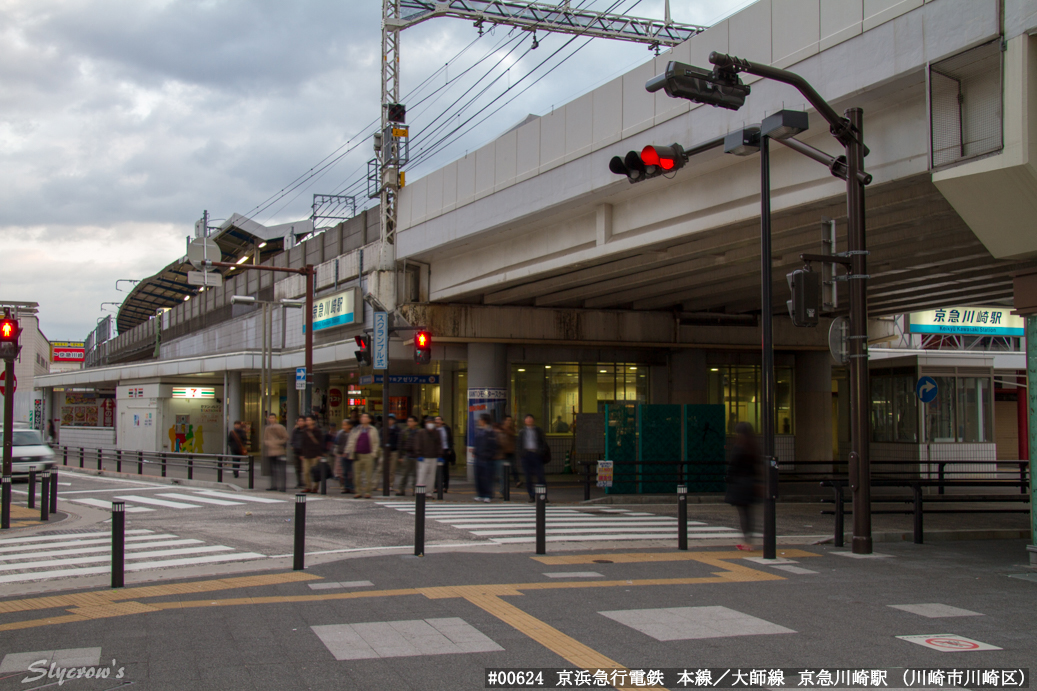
(973,321)
(338,309)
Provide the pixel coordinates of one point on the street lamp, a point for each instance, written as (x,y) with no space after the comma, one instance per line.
(721,87)
(267,374)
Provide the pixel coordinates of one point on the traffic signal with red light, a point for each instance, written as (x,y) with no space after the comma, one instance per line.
(422,347)
(652,162)
(363,352)
(9,333)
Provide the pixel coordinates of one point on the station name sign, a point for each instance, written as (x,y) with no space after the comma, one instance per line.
(339,309)
(67,351)
(972,321)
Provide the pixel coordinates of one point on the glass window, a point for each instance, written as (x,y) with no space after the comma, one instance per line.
(563,397)
(941,411)
(974,409)
(527,391)
(738,388)
(555,393)
(894,412)
(881,409)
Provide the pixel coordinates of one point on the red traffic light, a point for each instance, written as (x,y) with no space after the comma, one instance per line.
(652,162)
(361,342)
(422,339)
(666,157)
(9,330)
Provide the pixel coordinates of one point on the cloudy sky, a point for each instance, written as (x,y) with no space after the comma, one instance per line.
(121,120)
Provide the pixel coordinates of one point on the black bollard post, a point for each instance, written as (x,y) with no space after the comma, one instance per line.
(5,497)
(118,542)
(323,477)
(81,457)
(53,491)
(32,489)
(300,531)
(541,504)
(839,518)
(682,517)
(439,480)
(505,481)
(100,459)
(118,460)
(45,496)
(419,521)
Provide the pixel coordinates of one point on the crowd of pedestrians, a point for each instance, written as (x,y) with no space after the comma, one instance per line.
(355,454)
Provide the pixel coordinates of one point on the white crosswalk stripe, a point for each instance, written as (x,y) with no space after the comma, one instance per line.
(179,501)
(506,523)
(46,557)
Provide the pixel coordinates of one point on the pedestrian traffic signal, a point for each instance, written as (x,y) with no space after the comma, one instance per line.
(805,305)
(363,352)
(652,162)
(9,330)
(717,87)
(422,347)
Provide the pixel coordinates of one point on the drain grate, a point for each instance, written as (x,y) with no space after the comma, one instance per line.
(603,561)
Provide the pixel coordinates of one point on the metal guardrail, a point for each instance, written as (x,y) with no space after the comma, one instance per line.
(109,459)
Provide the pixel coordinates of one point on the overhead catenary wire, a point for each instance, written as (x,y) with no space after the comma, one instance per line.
(322,166)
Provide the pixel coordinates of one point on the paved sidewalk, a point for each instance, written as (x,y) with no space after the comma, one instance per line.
(440,622)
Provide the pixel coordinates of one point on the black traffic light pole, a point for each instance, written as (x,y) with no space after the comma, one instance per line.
(5,481)
(722,88)
(770,538)
(849,131)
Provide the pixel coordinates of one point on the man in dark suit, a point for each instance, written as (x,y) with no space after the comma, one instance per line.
(531,446)
(446,437)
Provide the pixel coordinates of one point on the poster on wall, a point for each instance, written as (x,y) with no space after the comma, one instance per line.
(212,413)
(484,401)
(184,437)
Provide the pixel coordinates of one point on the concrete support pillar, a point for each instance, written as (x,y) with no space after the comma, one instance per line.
(688,377)
(487,389)
(813,406)
(292,407)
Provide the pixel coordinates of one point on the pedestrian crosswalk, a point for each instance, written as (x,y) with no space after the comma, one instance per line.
(68,554)
(509,523)
(188,499)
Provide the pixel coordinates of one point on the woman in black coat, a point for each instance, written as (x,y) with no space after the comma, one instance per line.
(743,469)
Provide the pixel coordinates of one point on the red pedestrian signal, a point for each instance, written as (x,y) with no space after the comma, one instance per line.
(9,330)
(422,347)
(652,162)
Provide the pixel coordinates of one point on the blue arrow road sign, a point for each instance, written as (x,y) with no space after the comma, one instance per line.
(926,389)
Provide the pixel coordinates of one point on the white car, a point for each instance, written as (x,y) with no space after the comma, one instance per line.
(29,452)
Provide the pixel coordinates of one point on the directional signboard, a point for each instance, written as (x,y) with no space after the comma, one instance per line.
(300,378)
(926,389)
(380,341)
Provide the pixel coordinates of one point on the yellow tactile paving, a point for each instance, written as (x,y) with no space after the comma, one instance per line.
(102,597)
(110,603)
(565,646)
(648,557)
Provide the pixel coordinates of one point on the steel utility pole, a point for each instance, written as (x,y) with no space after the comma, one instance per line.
(849,131)
(530,16)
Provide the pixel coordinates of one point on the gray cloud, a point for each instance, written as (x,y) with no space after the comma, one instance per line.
(120,120)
